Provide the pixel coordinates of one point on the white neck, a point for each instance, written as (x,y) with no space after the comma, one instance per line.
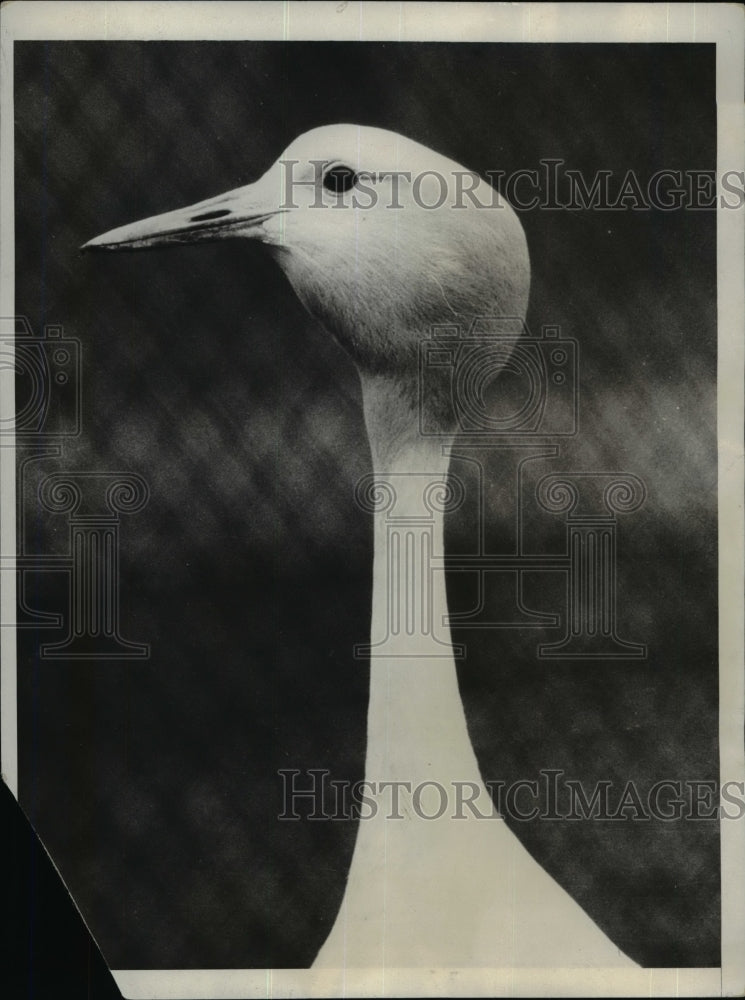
(426,891)
(416,726)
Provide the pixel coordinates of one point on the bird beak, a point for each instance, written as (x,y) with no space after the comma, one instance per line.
(241,212)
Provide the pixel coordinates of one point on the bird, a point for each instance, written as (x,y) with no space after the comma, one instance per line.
(381,241)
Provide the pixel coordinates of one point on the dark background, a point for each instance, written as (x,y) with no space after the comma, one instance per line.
(154,784)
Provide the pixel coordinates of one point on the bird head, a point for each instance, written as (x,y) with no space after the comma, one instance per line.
(380,237)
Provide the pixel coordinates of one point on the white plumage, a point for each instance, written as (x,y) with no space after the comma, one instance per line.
(344,212)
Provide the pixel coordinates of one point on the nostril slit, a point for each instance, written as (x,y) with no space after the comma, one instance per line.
(218,213)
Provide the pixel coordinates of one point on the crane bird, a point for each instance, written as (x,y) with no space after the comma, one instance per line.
(356,218)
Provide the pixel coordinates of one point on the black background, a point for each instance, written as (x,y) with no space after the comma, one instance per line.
(154,784)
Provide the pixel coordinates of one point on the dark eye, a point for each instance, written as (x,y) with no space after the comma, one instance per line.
(339,179)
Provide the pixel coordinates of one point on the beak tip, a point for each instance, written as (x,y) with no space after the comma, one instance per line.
(95,244)
(105,242)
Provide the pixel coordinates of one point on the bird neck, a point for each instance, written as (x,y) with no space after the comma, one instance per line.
(394,427)
(416,724)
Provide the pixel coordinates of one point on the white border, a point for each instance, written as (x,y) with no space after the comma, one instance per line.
(723,24)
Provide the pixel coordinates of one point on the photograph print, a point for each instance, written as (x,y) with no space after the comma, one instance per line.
(366,489)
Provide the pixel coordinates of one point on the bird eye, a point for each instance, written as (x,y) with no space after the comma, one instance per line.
(339,179)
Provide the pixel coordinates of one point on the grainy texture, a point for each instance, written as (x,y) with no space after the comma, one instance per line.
(154,784)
